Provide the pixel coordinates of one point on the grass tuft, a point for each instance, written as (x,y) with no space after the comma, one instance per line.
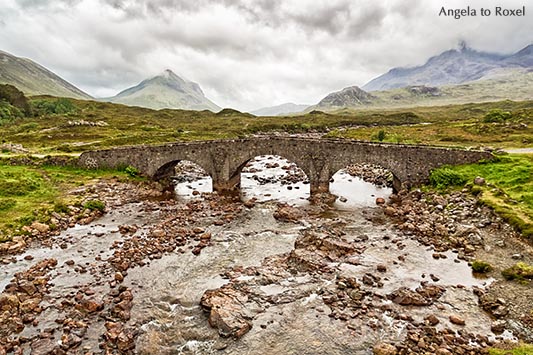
(480,266)
(520,272)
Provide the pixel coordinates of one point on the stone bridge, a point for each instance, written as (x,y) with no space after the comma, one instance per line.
(320,159)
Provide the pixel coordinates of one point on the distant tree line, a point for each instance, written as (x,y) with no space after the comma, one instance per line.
(13,103)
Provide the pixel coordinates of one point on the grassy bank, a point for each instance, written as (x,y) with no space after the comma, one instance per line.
(502,125)
(68,125)
(525,349)
(28,193)
(508,189)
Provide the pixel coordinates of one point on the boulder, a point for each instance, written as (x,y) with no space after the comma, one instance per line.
(479,181)
(226,311)
(8,303)
(43,347)
(384,349)
(455,319)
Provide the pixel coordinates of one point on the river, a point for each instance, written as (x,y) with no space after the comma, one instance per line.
(288,313)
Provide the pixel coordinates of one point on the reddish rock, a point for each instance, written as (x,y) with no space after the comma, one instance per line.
(158,233)
(27,287)
(432,320)
(30,305)
(119,277)
(90,306)
(384,349)
(9,303)
(69,340)
(40,227)
(454,319)
(288,213)
(113,330)
(226,311)
(250,203)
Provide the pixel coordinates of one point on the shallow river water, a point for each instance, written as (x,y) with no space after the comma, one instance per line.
(167,291)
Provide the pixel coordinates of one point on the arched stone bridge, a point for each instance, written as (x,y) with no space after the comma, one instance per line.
(320,159)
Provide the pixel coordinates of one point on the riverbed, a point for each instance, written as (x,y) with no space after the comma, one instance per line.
(299,296)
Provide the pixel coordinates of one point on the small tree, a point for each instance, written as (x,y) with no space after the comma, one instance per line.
(497,115)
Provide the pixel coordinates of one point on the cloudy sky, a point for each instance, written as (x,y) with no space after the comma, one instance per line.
(247,53)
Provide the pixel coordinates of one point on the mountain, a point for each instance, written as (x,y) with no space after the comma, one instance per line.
(523,58)
(33,79)
(348,97)
(166,90)
(496,85)
(454,66)
(279,110)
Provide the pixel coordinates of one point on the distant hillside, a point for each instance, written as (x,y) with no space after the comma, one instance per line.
(352,96)
(279,110)
(33,79)
(452,67)
(166,90)
(496,85)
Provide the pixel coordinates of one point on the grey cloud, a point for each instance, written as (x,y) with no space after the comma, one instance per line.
(366,22)
(243,53)
(43,4)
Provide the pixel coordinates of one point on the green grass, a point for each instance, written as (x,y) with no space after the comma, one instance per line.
(455,125)
(523,349)
(509,188)
(520,271)
(480,266)
(30,193)
(53,131)
(94,205)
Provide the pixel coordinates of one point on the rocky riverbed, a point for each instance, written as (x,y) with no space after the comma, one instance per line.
(207,274)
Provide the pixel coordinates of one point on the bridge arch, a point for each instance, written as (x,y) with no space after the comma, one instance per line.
(375,174)
(167,170)
(397,179)
(273,177)
(242,158)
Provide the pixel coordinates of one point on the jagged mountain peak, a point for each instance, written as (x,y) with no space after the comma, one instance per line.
(453,66)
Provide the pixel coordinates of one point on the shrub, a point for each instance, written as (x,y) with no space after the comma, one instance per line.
(61,106)
(94,205)
(8,112)
(497,115)
(445,177)
(380,136)
(131,171)
(481,266)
